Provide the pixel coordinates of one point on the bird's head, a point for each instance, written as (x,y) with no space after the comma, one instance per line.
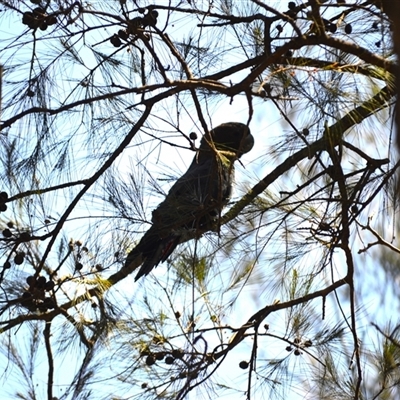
(233,137)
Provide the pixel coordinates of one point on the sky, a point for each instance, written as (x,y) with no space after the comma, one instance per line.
(267,127)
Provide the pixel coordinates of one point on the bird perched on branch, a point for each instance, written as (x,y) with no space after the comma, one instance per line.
(194,203)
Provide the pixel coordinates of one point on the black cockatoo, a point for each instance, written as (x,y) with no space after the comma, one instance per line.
(194,203)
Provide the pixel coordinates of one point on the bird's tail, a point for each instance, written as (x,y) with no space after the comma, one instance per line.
(150,251)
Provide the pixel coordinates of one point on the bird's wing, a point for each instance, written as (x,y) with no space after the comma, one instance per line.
(191,207)
(204,187)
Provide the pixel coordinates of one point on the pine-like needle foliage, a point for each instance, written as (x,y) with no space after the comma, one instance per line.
(293,290)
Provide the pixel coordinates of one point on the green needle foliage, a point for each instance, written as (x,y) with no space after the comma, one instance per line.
(293,293)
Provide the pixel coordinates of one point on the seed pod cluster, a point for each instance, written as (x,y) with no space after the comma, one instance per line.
(169,357)
(134,26)
(80,252)
(7,233)
(330,26)
(19,258)
(3,199)
(16,235)
(348,28)
(299,345)
(38,18)
(34,297)
(292,10)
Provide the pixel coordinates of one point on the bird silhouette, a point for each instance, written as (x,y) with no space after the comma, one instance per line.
(194,203)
